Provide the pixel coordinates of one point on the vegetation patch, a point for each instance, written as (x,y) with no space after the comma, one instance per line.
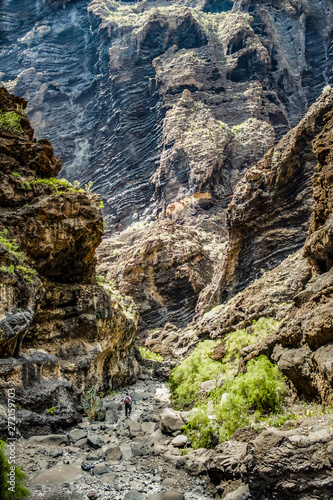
(147,354)
(239,399)
(124,301)
(11,478)
(93,404)
(10,121)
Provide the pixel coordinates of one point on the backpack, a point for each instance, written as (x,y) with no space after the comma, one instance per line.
(127,400)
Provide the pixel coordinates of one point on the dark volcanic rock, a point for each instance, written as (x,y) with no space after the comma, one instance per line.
(115,73)
(269,214)
(60,332)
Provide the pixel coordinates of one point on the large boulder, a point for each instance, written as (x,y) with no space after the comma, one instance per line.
(170,421)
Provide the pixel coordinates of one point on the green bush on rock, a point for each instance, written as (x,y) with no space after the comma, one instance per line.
(10,121)
(239,399)
(15,489)
(147,354)
(185,379)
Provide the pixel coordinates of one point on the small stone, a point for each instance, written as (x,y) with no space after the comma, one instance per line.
(55,452)
(113,454)
(100,469)
(95,441)
(85,466)
(76,434)
(92,495)
(179,441)
(43,464)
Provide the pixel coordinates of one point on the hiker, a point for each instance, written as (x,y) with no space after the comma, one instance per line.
(128,404)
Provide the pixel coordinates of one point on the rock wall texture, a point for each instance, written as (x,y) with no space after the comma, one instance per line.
(269,213)
(60,332)
(286,463)
(267,218)
(116,72)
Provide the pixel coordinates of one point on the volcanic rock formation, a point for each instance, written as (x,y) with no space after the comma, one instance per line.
(116,71)
(60,332)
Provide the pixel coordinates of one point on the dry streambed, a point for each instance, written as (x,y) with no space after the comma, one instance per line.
(119,458)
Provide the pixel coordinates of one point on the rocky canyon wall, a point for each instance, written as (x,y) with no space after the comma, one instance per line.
(60,331)
(116,71)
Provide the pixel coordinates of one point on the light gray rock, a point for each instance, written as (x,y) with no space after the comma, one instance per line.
(81,443)
(113,454)
(56,451)
(166,495)
(208,385)
(94,441)
(50,439)
(100,469)
(149,427)
(179,441)
(168,481)
(126,451)
(241,493)
(134,428)
(170,421)
(111,417)
(76,434)
(134,495)
(43,464)
(57,475)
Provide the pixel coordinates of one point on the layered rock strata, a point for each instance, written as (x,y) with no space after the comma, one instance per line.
(60,332)
(115,73)
(269,213)
(163,266)
(303,345)
(297,292)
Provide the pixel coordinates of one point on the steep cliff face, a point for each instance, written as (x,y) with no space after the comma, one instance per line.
(115,73)
(269,214)
(60,332)
(164,267)
(267,218)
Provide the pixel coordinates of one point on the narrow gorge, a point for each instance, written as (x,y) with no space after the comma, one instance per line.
(166,229)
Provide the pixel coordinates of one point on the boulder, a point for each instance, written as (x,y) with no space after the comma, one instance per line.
(179,441)
(57,475)
(50,439)
(170,421)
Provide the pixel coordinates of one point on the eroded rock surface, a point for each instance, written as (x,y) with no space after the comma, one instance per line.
(249,70)
(60,332)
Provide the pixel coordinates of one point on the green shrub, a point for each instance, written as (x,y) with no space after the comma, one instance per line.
(93,404)
(201,430)
(11,245)
(28,273)
(261,388)
(236,341)
(8,269)
(185,379)
(15,492)
(16,174)
(146,354)
(10,121)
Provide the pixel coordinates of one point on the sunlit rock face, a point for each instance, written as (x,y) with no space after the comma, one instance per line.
(60,331)
(115,74)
